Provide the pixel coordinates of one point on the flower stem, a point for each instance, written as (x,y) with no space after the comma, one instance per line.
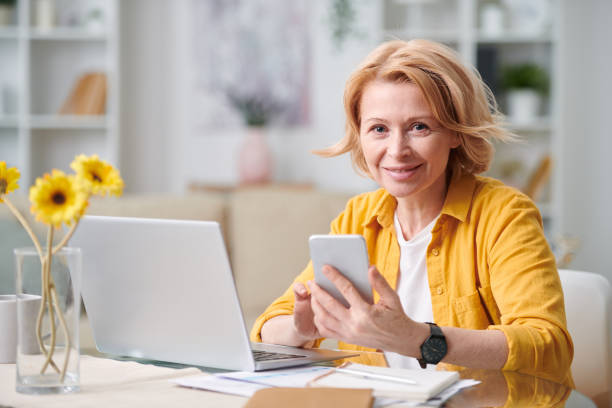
(66,238)
(44,293)
(41,312)
(53,294)
(66,333)
(47,289)
(25,225)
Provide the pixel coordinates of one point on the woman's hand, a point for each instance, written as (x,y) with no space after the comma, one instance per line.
(303,316)
(383,326)
(297,329)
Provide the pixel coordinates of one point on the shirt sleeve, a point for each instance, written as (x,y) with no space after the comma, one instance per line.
(527,289)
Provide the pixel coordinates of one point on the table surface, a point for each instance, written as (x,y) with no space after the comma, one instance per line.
(109,382)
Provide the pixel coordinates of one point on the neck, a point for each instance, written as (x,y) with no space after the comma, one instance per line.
(415,213)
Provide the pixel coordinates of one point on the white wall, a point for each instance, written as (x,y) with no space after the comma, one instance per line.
(584,178)
(161,152)
(331,68)
(145,84)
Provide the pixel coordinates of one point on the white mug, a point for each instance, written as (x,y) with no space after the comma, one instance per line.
(8,328)
(28,307)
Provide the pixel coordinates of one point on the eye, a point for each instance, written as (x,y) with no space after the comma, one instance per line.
(378,129)
(419,129)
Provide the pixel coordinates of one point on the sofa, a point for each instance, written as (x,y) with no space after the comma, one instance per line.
(266,230)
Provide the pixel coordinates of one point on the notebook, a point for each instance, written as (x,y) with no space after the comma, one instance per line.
(163,290)
(405,384)
(309,397)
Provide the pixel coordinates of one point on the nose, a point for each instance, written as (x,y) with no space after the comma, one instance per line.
(399,144)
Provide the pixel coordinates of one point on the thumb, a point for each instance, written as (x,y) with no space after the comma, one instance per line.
(387,295)
(299,291)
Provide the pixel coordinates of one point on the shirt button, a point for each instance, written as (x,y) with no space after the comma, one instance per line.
(439,291)
(435,251)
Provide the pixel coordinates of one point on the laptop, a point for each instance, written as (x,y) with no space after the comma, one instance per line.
(163,290)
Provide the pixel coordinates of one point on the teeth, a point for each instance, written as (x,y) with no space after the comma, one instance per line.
(402,170)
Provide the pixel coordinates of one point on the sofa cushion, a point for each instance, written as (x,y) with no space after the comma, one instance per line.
(269,229)
(204,207)
(201,207)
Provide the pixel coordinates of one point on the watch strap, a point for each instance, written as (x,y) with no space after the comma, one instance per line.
(436,331)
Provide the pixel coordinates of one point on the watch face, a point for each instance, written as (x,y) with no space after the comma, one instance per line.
(433,350)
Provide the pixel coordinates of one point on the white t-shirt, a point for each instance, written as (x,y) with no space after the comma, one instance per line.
(413,285)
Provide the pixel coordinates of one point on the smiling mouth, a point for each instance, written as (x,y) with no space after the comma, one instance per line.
(402,169)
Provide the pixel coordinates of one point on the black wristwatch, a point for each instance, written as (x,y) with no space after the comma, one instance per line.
(434,347)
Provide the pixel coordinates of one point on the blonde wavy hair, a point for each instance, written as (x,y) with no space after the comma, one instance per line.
(456,94)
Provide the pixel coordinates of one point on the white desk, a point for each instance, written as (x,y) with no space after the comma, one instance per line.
(117,384)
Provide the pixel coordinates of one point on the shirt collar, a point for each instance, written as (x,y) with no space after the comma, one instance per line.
(457,203)
(459,196)
(383,211)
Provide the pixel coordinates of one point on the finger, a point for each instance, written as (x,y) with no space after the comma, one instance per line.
(303,316)
(325,323)
(321,313)
(302,300)
(300,292)
(348,290)
(327,302)
(380,284)
(326,331)
(303,320)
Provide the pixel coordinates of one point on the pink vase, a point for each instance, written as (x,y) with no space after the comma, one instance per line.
(254,158)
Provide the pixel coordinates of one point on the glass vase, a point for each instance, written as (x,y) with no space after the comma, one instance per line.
(48,313)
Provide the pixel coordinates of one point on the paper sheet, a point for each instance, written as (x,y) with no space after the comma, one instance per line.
(245,383)
(214,383)
(292,377)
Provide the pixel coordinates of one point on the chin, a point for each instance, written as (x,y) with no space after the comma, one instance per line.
(399,191)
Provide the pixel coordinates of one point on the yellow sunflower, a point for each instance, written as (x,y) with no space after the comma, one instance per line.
(8,179)
(58,198)
(98,176)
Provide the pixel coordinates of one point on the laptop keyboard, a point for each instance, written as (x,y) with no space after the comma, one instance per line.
(266,355)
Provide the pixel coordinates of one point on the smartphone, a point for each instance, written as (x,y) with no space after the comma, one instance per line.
(349,255)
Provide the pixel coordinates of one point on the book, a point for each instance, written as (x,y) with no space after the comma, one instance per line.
(310,397)
(405,384)
(88,96)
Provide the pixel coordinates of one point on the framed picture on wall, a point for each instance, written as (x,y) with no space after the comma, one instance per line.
(253,52)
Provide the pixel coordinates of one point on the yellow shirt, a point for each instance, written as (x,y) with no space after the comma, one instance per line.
(489,266)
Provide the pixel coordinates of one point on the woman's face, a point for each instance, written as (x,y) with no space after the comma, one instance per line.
(405,147)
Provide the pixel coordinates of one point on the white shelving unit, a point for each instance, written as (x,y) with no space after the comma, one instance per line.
(457,23)
(39,68)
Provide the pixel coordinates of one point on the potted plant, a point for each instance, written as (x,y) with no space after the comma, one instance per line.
(256,111)
(525,84)
(6,11)
(341,19)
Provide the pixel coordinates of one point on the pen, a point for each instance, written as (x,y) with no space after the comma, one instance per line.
(375,376)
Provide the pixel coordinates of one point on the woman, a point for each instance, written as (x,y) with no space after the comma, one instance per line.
(447,246)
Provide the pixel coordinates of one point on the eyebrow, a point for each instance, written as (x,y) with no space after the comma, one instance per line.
(410,120)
